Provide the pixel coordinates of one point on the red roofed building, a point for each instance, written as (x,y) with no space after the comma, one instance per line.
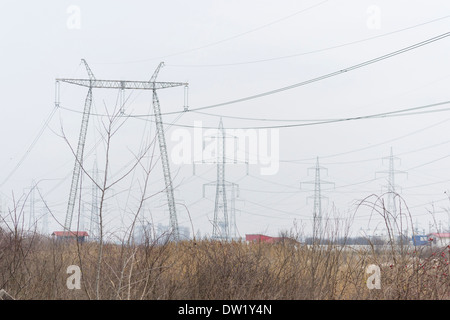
(70,235)
(261,238)
(440,239)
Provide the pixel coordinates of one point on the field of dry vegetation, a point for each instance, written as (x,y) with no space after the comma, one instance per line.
(35,267)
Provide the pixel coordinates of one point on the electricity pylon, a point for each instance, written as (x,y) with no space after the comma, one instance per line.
(391,186)
(94,222)
(317,212)
(222,228)
(233,225)
(122,85)
(32,217)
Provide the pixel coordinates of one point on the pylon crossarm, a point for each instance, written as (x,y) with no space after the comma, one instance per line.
(122,84)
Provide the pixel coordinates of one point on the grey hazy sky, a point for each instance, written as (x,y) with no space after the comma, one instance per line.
(228,50)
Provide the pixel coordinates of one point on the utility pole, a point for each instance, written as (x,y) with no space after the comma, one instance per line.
(122,85)
(317,211)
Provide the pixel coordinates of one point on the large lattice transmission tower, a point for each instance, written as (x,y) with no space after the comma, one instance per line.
(122,85)
(224,221)
(318,196)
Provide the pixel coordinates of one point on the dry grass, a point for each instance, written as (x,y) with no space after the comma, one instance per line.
(34,267)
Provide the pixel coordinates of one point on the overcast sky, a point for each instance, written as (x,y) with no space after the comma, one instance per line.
(229,50)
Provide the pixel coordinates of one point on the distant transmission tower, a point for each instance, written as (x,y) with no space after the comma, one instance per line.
(31,206)
(122,85)
(222,228)
(317,212)
(391,186)
(233,225)
(44,228)
(94,222)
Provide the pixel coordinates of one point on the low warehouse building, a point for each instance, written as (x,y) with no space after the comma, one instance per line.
(79,236)
(261,238)
(440,239)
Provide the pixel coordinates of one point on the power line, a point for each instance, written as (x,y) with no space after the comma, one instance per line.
(260,119)
(273,209)
(320,78)
(373,159)
(426,185)
(378,144)
(359,161)
(274,217)
(396,113)
(429,162)
(312,121)
(223,40)
(329,75)
(35,140)
(269,191)
(308,52)
(374,146)
(300,191)
(302,120)
(268,181)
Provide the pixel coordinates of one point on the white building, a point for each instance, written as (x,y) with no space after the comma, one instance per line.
(440,239)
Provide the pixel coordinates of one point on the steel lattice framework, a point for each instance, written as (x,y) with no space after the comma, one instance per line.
(121,84)
(223,227)
(317,211)
(221,206)
(391,185)
(153,85)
